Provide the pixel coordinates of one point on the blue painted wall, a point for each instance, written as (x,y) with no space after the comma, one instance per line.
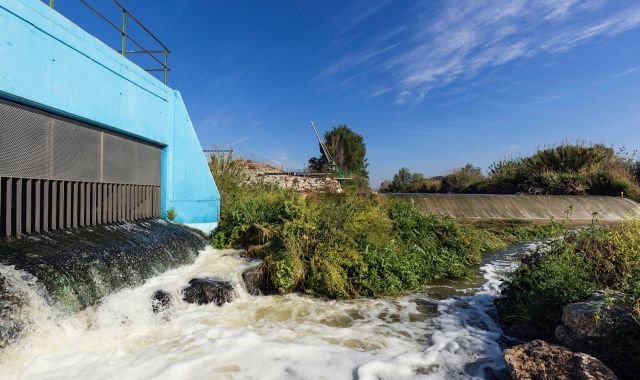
(48,62)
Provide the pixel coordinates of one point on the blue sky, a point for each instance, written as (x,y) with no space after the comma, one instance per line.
(431,85)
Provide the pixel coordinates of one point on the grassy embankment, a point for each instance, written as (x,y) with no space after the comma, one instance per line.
(597,258)
(564,169)
(346,246)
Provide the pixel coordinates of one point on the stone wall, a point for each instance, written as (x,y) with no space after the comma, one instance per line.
(265,174)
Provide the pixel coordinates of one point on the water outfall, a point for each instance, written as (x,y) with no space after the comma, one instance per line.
(74,269)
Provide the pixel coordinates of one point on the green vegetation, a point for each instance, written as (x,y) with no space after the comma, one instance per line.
(171,214)
(571,270)
(577,169)
(349,151)
(346,246)
(227,171)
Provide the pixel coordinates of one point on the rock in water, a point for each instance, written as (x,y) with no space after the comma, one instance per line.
(207,290)
(540,360)
(161,301)
(257,281)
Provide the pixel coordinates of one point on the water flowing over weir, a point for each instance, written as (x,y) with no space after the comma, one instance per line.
(447,330)
(536,208)
(71,270)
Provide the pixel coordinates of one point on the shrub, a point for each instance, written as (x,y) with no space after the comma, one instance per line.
(595,258)
(227,171)
(544,284)
(461,180)
(345,246)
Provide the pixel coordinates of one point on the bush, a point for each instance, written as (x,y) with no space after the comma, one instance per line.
(345,246)
(576,169)
(571,270)
(461,180)
(595,258)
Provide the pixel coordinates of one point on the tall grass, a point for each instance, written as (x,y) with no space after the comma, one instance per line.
(228,172)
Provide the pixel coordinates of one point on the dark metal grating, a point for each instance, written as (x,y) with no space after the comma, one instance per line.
(36,144)
(58,173)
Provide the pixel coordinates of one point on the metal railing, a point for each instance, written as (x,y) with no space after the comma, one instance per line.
(163,51)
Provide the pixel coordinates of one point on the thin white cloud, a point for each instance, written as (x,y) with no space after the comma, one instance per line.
(548,99)
(457,40)
(627,72)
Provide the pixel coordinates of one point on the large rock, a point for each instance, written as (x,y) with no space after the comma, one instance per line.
(161,302)
(208,290)
(540,360)
(594,317)
(257,281)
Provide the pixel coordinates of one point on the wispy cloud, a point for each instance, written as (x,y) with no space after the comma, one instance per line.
(458,40)
(356,13)
(548,99)
(627,72)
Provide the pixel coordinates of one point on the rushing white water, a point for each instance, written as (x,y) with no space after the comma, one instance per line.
(445,331)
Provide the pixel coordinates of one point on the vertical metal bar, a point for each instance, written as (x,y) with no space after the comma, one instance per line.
(27,204)
(103,204)
(76,197)
(82,203)
(118,204)
(107,203)
(8,200)
(61,206)
(18,207)
(87,215)
(124,32)
(135,202)
(146,201)
(68,204)
(107,188)
(37,213)
(94,204)
(127,202)
(134,199)
(45,207)
(114,203)
(50,3)
(166,55)
(54,204)
(99,206)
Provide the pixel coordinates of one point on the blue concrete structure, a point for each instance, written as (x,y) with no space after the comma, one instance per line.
(48,62)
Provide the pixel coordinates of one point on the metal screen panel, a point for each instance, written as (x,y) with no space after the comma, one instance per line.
(24,142)
(37,144)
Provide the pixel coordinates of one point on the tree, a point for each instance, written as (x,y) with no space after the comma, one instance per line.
(349,151)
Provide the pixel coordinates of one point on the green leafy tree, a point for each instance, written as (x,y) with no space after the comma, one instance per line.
(349,151)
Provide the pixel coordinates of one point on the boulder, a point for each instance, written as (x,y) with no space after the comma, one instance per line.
(208,290)
(161,301)
(257,282)
(594,317)
(540,360)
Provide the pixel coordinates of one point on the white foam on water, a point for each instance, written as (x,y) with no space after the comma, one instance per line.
(274,337)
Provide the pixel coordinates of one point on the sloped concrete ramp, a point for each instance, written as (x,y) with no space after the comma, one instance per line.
(538,208)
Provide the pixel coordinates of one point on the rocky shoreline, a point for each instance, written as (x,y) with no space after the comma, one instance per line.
(575,350)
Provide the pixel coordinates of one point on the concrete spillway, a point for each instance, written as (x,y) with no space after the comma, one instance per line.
(527,207)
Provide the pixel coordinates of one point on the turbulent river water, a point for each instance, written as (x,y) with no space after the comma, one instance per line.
(446,330)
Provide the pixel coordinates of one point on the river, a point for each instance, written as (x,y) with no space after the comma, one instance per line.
(447,330)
